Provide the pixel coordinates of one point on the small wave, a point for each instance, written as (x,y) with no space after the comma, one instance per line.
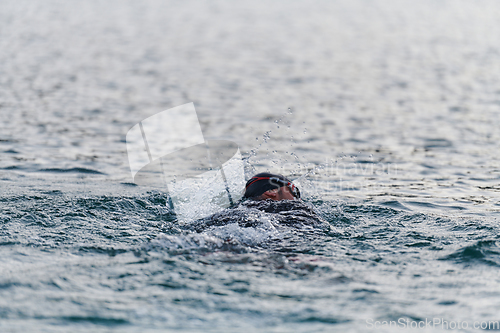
(486,252)
(394,204)
(419,244)
(437,143)
(111,251)
(433,206)
(97,320)
(129,184)
(73,170)
(13,167)
(52,192)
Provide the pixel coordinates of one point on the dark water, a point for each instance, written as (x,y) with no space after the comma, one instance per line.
(386,113)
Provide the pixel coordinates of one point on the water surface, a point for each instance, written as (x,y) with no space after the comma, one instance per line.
(389,107)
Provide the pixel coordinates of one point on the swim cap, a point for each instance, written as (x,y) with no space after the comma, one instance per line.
(265,181)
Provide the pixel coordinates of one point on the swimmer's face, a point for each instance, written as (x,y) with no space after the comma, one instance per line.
(282,193)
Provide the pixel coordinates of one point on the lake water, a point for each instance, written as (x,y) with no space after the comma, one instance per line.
(386,111)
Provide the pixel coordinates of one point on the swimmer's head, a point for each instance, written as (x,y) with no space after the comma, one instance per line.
(269,186)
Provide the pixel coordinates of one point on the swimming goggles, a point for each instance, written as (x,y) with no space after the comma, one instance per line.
(294,189)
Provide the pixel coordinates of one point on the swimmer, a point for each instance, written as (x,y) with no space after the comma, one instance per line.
(265,185)
(269,197)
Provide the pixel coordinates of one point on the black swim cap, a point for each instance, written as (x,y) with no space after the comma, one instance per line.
(262,182)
